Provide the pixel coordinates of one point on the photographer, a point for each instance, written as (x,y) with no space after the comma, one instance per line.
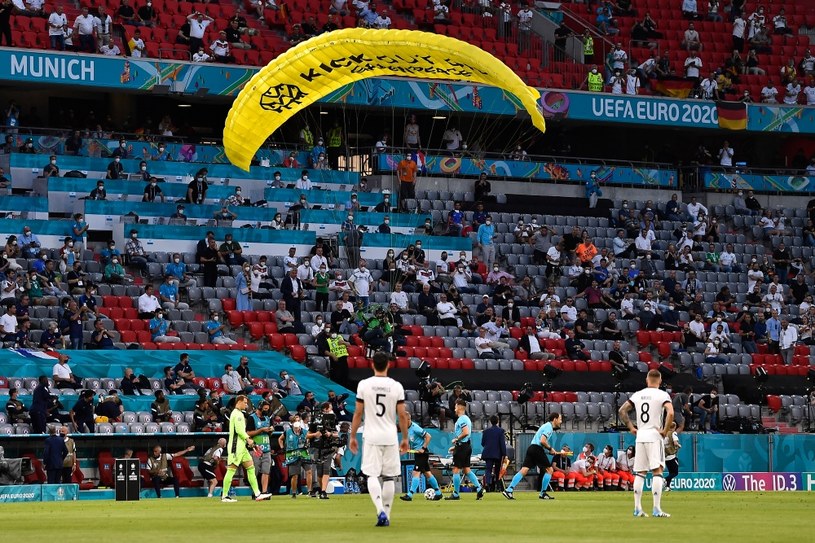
(376,330)
(297,456)
(431,392)
(338,406)
(323,442)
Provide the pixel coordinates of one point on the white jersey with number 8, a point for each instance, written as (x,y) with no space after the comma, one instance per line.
(380,396)
(649,404)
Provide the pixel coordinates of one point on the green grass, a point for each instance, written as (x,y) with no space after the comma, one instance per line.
(603,517)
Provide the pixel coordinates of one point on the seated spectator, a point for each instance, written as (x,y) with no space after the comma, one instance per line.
(159,326)
(296,35)
(201,55)
(530,344)
(146,15)
(691,41)
(205,418)
(233,35)
(63,376)
(215,329)
(100,337)
(574,347)
(16,411)
(232,382)
(713,353)
(484,346)
(172,383)
(231,252)
(689,9)
(168,293)
(220,49)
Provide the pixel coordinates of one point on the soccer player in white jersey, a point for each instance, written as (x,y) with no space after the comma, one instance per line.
(380,400)
(654,414)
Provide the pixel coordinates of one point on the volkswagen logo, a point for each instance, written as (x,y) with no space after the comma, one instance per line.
(729,482)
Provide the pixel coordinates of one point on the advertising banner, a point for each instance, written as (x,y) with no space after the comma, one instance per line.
(59,493)
(693,481)
(761,482)
(21,493)
(808,481)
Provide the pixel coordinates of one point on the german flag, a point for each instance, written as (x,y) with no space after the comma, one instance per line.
(673,88)
(732,115)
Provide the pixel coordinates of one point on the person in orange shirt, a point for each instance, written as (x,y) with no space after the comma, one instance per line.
(406,170)
(586,250)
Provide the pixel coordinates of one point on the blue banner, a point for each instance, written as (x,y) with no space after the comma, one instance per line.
(120,73)
(764,183)
(539,171)
(59,493)
(21,493)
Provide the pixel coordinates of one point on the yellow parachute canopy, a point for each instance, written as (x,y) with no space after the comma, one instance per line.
(316,67)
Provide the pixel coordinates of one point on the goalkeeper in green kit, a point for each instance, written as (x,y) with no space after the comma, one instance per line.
(239,448)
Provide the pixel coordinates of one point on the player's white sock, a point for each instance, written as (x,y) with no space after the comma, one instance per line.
(658,484)
(639,484)
(375,491)
(388,491)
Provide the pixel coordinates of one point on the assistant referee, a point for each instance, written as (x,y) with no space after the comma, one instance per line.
(536,458)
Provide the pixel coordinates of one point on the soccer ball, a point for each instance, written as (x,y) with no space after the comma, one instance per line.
(430,494)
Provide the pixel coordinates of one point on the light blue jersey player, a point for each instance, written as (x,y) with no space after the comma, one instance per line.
(462,451)
(419,439)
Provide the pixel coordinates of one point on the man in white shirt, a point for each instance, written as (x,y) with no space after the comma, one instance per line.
(8,323)
(136,45)
(382,20)
(780,23)
(643,243)
(739,26)
(318,260)
(693,65)
(198,25)
(725,156)
(774,298)
(290,261)
(727,260)
(232,383)
(768,94)
(400,298)
(110,49)
(85,27)
(63,376)
(632,83)
(710,88)
(148,303)
(304,273)
(361,279)
(793,90)
(57,24)
(446,311)
(102,24)
(691,41)
(809,92)
(220,49)
(694,208)
(787,338)
(484,345)
(568,313)
(697,328)
(616,82)
(619,58)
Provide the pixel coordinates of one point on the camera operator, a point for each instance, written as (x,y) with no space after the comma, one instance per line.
(323,442)
(374,331)
(297,456)
(338,406)
(431,392)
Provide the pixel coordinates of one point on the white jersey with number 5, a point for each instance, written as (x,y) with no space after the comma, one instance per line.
(380,396)
(649,404)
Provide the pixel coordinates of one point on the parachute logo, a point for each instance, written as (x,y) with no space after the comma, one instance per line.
(317,67)
(281,97)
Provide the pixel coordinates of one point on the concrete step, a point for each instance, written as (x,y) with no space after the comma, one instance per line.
(789,430)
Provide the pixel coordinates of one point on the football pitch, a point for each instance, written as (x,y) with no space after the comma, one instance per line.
(585,517)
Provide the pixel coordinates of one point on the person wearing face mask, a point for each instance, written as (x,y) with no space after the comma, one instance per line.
(352,238)
(122,150)
(115,169)
(303,182)
(353,205)
(362,281)
(51,169)
(707,409)
(406,170)
(277,222)
(161,154)
(215,329)
(114,273)
(594,80)
(136,254)
(177,271)
(197,188)
(152,191)
(485,238)
(243,298)
(385,205)
(385,228)
(333,346)
(159,326)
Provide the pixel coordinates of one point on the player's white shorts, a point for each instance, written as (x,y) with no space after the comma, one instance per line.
(380,460)
(649,456)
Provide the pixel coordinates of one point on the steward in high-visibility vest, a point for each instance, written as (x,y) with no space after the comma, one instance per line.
(595,80)
(588,45)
